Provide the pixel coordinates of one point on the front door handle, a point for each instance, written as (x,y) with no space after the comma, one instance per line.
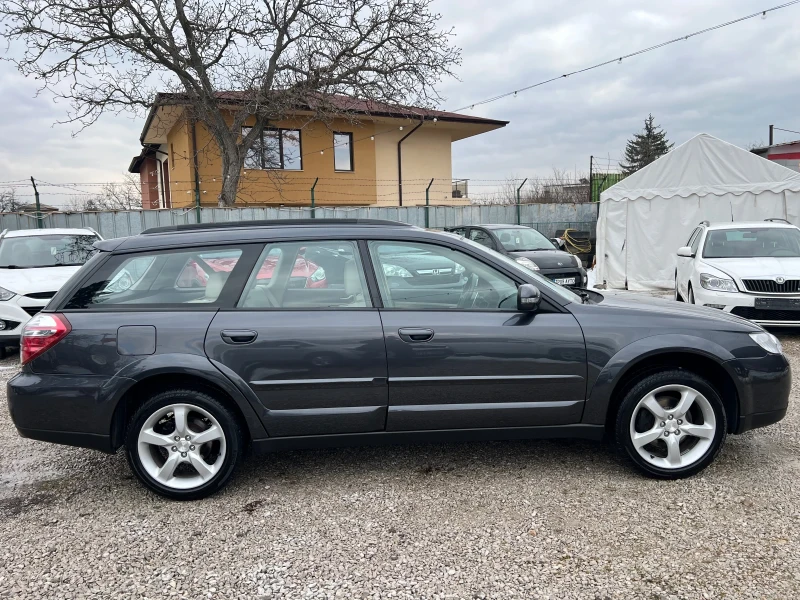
(238,336)
(413,334)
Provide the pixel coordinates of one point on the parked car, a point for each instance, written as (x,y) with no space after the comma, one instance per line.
(34,264)
(530,249)
(187,378)
(747,269)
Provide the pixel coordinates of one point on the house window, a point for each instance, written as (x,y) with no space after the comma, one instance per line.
(343,151)
(276,149)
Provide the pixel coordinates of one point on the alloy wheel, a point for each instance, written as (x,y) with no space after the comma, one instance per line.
(181,446)
(673,426)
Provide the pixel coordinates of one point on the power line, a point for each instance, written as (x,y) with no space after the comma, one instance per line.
(787,130)
(761,13)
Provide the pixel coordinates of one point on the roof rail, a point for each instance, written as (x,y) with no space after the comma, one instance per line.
(777,220)
(706,223)
(272,223)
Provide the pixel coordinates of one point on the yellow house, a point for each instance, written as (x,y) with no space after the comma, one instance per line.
(379,155)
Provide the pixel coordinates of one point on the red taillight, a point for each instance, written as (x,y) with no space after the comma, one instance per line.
(40,333)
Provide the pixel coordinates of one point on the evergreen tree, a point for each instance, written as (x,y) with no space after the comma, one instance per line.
(645,147)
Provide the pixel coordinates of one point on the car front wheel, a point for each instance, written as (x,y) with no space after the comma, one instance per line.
(183,444)
(671,424)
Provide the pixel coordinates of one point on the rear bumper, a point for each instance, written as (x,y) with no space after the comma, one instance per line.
(76,410)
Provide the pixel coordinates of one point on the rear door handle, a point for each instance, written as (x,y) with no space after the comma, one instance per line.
(413,334)
(238,336)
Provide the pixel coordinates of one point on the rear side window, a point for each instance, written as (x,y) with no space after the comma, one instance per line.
(193,277)
(302,275)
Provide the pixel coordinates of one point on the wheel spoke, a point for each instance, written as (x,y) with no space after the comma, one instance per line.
(149,436)
(687,399)
(203,469)
(180,413)
(651,404)
(673,451)
(167,471)
(704,431)
(210,434)
(642,439)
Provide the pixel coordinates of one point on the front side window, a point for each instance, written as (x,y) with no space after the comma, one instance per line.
(421,276)
(521,239)
(52,250)
(694,244)
(275,149)
(481,237)
(756,242)
(190,277)
(343,151)
(302,275)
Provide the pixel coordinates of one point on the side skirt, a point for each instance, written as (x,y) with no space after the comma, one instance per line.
(387,438)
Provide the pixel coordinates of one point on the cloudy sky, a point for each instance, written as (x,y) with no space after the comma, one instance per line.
(731,83)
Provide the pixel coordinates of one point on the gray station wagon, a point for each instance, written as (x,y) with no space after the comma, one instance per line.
(189,345)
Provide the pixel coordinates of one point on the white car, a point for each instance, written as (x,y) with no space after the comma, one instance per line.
(34,264)
(748,269)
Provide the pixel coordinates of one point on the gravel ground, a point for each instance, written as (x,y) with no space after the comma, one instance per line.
(561,519)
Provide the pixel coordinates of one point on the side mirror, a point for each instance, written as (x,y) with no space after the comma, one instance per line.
(528,297)
(686,251)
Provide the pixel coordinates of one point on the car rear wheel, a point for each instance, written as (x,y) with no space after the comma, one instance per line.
(183,444)
(671,424)
(678,297)
(691,295)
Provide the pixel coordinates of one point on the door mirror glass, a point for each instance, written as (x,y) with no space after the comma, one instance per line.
(528,297)
(685,251)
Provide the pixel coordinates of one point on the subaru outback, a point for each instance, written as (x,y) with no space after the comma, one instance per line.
(218,342)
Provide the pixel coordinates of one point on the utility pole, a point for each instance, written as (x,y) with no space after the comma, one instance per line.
(313,200)
(518,201)
(38,206)
(771,134)
(591,164)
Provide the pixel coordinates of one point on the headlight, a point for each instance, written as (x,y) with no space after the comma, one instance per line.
(318,275)
(717,284)
(768,342)
(395,271)
(527,263)
(6,295)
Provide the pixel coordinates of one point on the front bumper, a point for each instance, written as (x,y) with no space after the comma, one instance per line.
(763,387)
(743,305)
(15,313)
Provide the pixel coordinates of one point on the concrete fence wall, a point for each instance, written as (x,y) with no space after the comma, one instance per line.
(547,218)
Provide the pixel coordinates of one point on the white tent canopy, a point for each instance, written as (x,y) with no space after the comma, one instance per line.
(646,217)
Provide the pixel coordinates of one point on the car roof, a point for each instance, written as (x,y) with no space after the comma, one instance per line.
(502,226)
(49,231)
(750,225)
(251,231)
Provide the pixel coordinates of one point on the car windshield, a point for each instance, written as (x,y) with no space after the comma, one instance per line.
(52,250)
(520,239)
(756,242)
(541,282)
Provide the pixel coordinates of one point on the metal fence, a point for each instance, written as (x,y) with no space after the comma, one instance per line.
(110,224)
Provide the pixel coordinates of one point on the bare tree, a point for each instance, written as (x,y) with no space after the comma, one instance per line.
(8,201)
(123,195)
(279,56)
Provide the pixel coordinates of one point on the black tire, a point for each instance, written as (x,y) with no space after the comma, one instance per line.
(691,295)
(234,441)
(678,297)
(646,385)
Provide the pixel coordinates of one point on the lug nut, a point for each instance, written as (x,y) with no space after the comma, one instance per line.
(183,454)
(677,432)
(670,417)
(663,423)
(188,438)
(174,448)
(680,421)
(177,438)
(191,447)
(666,434)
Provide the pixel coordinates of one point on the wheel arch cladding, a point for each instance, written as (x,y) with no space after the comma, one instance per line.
(653,354)
(142,389)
